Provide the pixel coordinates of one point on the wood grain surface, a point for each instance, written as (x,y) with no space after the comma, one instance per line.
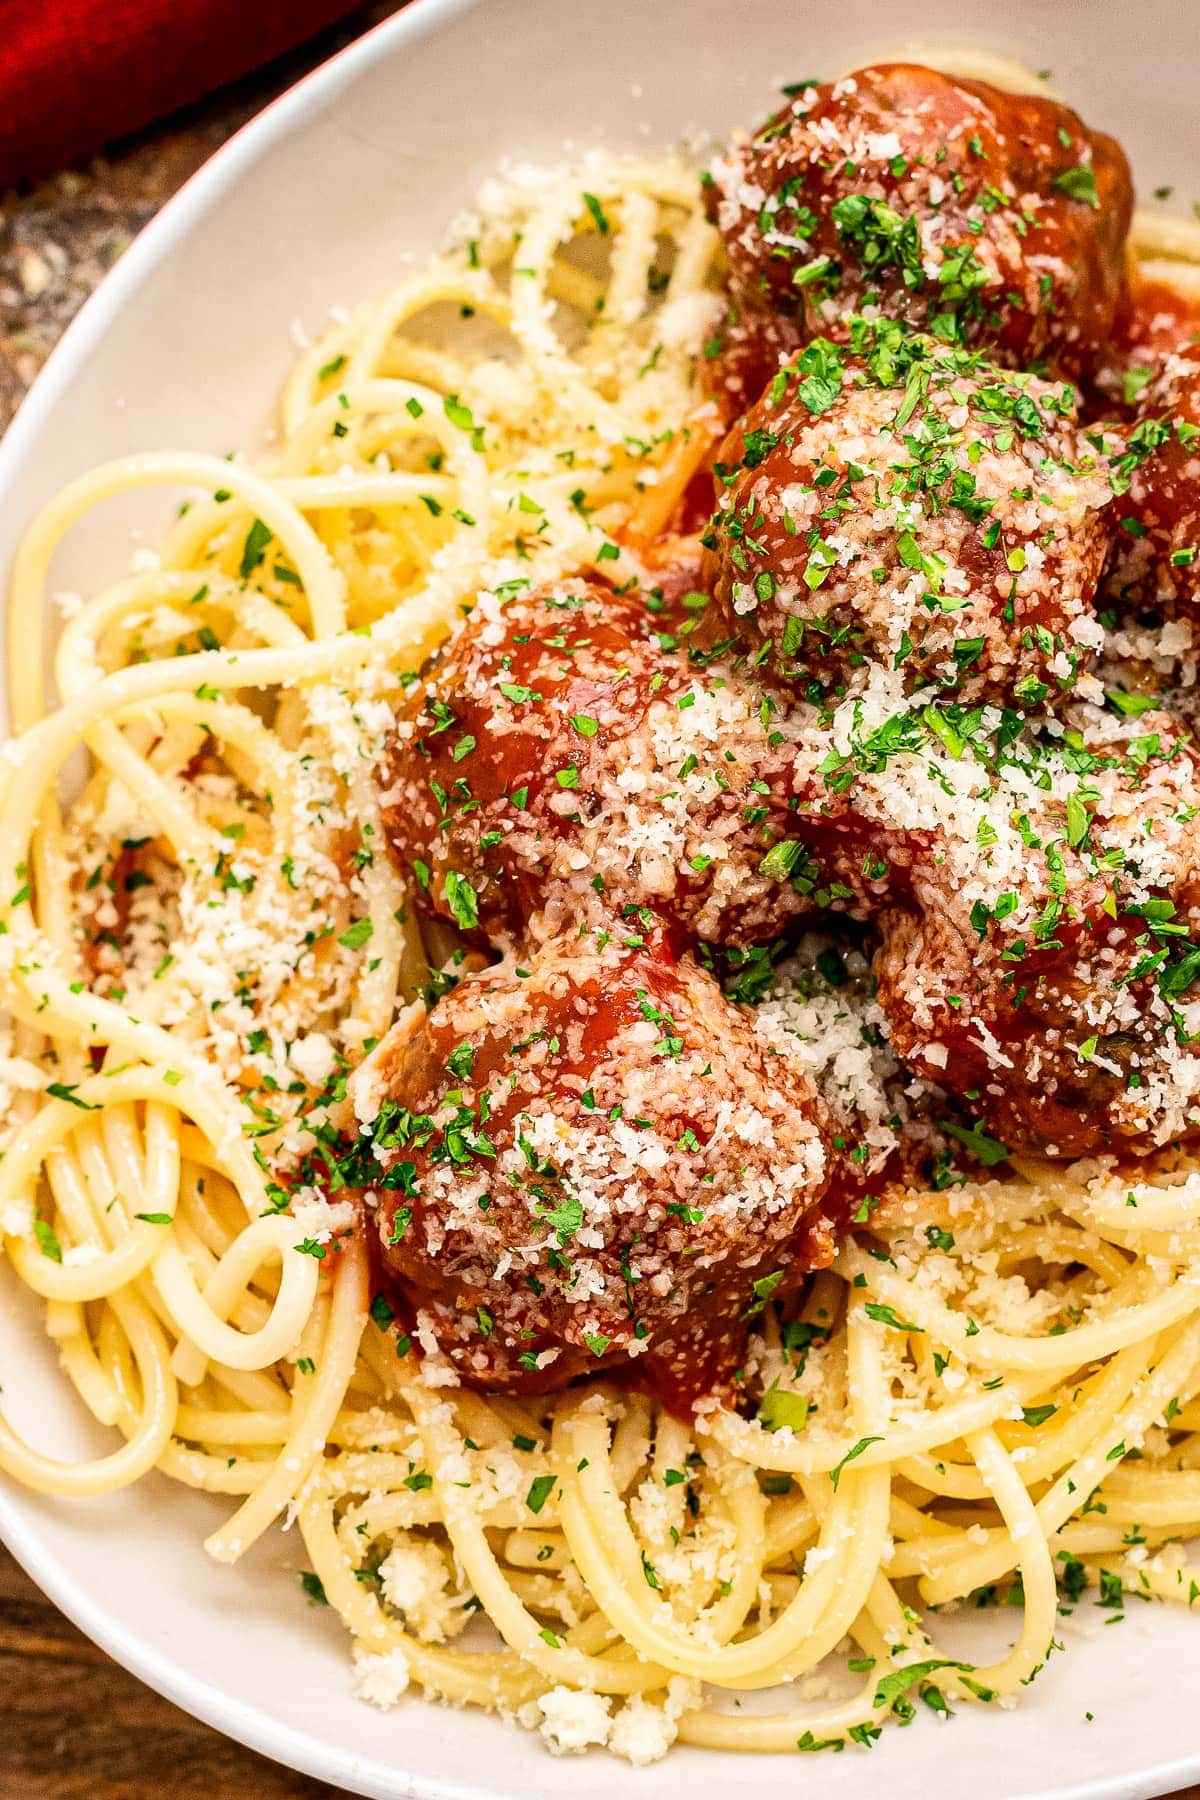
(74,1726)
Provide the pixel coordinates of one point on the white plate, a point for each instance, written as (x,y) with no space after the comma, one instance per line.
(320,201)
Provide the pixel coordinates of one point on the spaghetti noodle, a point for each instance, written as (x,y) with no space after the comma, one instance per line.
(995,1388)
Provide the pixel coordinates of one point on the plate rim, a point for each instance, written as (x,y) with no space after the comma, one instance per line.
(165,1673)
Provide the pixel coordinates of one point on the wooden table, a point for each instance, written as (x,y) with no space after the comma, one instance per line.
(74,1726)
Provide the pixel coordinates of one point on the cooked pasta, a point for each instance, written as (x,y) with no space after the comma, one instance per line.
(994,1390)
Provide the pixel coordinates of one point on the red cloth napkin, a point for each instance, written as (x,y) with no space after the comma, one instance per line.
(75,74)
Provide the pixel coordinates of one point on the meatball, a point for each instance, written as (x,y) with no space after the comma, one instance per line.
(744,352)
(1157,321)
(986,217)
(566,753)
(599,1161)
(1053,983)
(1155,566)
(911,505)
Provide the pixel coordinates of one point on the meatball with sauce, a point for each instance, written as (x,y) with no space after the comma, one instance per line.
(911,505)
(595,1159)
(1155,565)
(1051,979)
(567,754)
(986,217)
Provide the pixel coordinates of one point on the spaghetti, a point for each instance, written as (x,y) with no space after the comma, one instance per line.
(995,1388)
